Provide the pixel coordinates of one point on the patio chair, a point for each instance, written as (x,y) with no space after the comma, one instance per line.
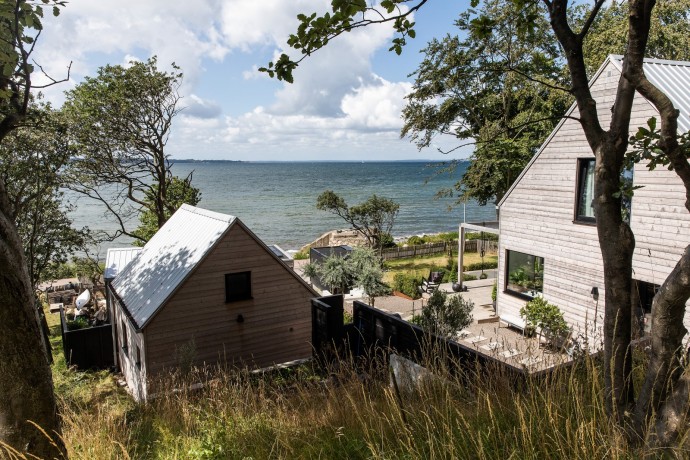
(432,282)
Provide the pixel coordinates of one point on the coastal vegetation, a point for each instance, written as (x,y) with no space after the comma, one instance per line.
(658,411)
(308,412)
(373,218)
(119,124)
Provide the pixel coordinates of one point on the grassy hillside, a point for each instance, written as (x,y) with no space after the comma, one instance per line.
(344,413)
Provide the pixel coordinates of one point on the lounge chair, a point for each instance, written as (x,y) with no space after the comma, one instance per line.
(432,282)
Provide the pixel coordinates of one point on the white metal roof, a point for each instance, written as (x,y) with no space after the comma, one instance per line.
(167,259)
(117,259)
(671,77)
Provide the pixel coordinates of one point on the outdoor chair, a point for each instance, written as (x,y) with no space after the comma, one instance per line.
(432,282)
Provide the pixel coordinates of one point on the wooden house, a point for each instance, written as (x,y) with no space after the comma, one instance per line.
(206,290)
(548,236)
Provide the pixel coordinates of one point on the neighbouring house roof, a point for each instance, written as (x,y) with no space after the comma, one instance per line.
(147,282)
(671,77)
(117,259)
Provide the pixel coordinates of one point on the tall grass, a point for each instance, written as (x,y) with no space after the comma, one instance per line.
(350,412)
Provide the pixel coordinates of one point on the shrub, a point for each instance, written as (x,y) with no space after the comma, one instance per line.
(479,236)
(407,284)
(387,241)
(488,265)
(494,291)
(444,315)
(538,313)
(415,240)
(301,255)
(77,323)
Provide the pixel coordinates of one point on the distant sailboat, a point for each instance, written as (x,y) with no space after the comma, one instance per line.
(83,299)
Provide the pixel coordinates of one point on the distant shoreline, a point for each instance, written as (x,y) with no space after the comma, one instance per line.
(193,160)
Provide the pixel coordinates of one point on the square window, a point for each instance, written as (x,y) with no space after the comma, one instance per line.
(238,286)
(584,211)
(524,274)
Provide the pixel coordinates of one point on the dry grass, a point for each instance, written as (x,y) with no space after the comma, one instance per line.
(352,414)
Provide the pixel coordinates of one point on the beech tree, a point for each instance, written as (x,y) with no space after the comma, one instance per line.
(27,400)
(662,402)
(493,88)
(120,122)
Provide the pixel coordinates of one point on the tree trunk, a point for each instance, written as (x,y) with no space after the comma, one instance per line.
(617,244)
(26,383)
(668,310)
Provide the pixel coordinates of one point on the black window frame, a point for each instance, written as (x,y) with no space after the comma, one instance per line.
(232,294)
(125,338)
(580,182)
(137,357)
(523,294)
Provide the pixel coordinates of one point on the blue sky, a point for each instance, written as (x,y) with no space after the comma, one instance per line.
(345,102)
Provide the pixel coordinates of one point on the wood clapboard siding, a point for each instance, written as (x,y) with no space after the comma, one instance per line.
(537,218)
(277,320)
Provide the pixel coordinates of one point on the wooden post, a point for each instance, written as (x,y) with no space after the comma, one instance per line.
(461,253)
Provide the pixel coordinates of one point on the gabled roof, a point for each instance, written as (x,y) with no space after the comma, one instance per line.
(169,257)
(671,77)
(117,259)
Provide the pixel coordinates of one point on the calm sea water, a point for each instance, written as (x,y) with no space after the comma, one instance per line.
(278,200)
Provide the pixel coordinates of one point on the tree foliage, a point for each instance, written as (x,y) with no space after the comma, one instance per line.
(26,388)
(373,218)
(361,268)
(31,160)
(662,402)
(179,192)
(120,122)
(498,87)
(444,315)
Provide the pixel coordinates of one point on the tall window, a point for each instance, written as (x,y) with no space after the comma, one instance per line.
(125,339)
(584,210)
(238,286)
(524,274)
(585,190)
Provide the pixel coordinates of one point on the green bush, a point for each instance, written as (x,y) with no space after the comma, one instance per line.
(406,284)
(478,266)
(387,241)
(415,240)
(538,313)
(479,236)
(301,255)
(77,323)
(444,315)
(494,291)
(468,277)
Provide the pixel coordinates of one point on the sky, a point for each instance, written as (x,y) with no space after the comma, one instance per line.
(345,103)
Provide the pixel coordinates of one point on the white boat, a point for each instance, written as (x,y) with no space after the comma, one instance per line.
(83,299)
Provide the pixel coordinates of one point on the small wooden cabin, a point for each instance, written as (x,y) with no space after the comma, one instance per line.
(206,290)
(548,236)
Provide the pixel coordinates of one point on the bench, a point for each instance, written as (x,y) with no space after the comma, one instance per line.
(514,321)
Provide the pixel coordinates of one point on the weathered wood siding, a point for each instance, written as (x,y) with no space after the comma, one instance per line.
(538,218)
(277,320)
(134,374)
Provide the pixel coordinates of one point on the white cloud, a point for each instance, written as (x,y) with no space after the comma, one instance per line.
(336,104)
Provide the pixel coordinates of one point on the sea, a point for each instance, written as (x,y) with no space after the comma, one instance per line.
(277,200)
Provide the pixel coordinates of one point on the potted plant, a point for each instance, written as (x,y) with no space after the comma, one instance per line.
(548,319)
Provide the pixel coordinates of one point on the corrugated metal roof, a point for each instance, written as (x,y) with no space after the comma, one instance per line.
(167,259)
(117,259)
(673,78)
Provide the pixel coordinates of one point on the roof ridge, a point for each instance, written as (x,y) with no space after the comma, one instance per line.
(227,218)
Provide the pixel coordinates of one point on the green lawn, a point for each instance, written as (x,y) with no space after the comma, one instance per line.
(421,266)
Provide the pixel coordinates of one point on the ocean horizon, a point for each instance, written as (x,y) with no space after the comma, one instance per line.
(277,199)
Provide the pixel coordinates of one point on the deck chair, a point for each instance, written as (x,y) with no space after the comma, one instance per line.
(432,282)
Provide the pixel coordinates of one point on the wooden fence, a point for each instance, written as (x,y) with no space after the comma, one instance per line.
(374,332)
(438,248)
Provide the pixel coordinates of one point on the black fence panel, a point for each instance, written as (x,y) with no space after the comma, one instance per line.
(88,348)
(327,326)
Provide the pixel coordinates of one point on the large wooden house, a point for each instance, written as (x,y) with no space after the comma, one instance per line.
(206,290)
(548,235)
